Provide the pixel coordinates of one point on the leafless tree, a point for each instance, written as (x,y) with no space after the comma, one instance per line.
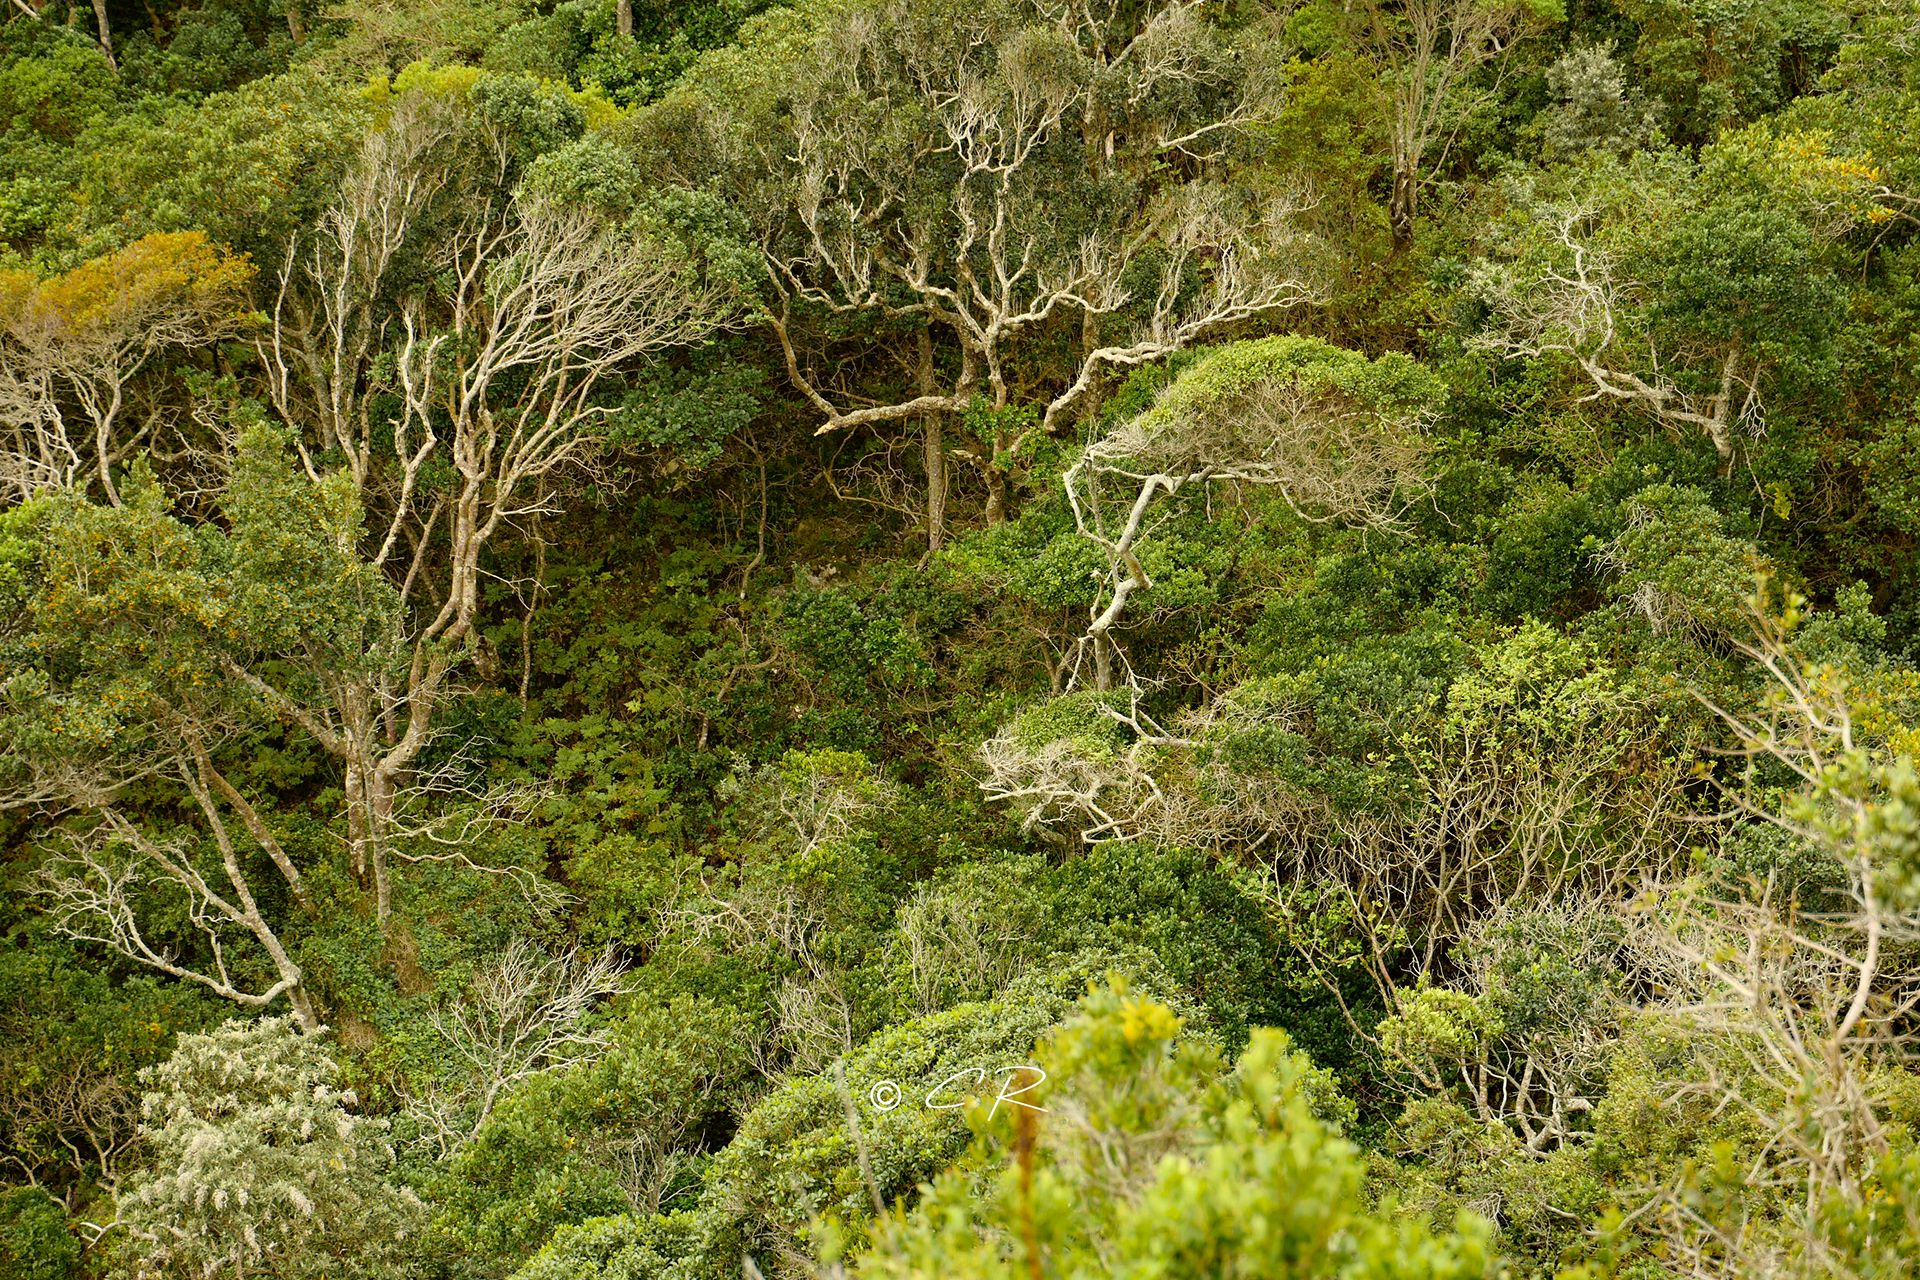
(818,806)
(494,364)
(803,813)
(810,1012)
(958,944)
(97,882)
(443,813)
(1486,826)
(1478,817)
(496,375)
(815,1021)
(519,1014)
(1060,786)
(1532,1078)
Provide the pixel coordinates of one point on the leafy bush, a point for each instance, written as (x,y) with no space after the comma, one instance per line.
(35,1242)
(1149,1156)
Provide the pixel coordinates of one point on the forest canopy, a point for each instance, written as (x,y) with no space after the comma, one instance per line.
(1007,640)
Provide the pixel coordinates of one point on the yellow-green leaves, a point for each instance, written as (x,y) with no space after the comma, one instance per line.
(1152,1163)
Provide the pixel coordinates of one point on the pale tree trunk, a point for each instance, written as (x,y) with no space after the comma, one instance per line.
(354,745)
(303,1010)
(215,781)
(359,824)
(625,12)
(106,33)
(370,802)
(380,803)
(1096,388)
(246,910)
(936,450)
(1401,211)
(296,28)
(934,443)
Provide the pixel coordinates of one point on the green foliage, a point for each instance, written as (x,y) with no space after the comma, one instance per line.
(69,1100)
(1082,720)
(1390,385)
(1540,563)
(135,608)
(35,1241)
(1149,1151)
(208,49)
(692,412)
(795,1155)
(579,42)
(528,119)
(1676,571)
(53,83)
(1716,65)
(19,539)
(1594,109)
(1037,558)
(1873,1236)
(248,165)
(1398,792)
(858,645)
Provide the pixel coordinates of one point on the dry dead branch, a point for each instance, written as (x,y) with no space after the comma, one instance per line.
(522,1013)
(1577,307)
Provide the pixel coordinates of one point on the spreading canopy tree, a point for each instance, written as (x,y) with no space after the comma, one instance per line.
(1336,435)
(1686,292)
(1030,194)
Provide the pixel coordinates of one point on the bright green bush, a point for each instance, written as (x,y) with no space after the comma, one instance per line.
(1152,1162)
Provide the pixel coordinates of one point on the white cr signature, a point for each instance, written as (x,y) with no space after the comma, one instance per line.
(886,1094)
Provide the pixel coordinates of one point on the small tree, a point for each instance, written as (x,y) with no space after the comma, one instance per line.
(1427,52)
(491,374)
(259,1167)
(522,1013)
(1595,111)
(132,625)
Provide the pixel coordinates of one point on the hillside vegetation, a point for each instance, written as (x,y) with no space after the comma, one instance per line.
(959,639)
